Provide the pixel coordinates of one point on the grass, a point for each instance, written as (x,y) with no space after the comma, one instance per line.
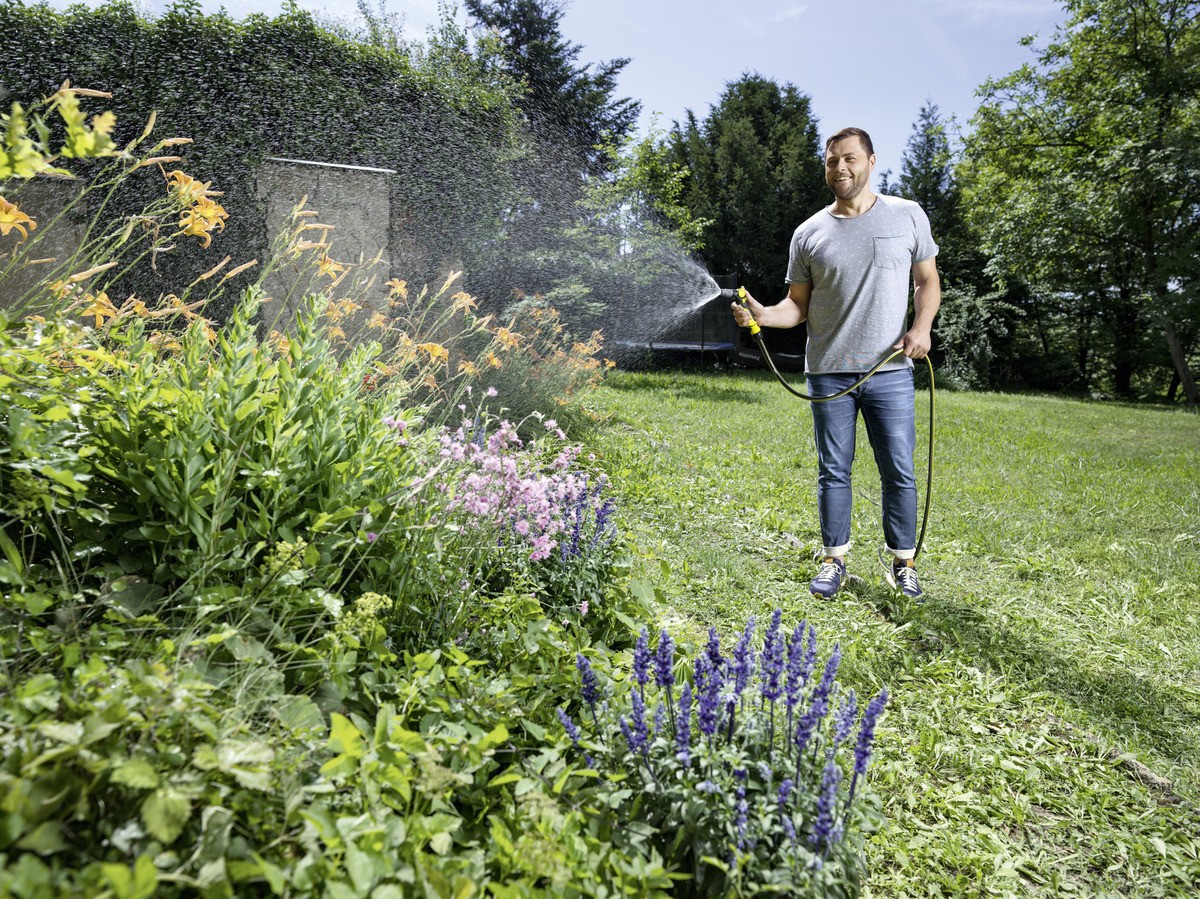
(1043,737)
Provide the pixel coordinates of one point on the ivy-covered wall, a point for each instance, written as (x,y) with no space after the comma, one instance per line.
(441,114)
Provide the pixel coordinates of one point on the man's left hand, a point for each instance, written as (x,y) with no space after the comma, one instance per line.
(916,344)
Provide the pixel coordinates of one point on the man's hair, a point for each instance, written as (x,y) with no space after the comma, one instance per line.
(852,132)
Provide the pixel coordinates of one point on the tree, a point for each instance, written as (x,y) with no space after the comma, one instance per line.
(1083,175)
(756,173)
(563,101)
(972,321)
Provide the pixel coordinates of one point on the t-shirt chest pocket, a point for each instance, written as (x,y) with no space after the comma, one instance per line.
(892,252)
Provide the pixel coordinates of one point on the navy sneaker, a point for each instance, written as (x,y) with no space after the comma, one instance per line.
(904,577)
(829,579)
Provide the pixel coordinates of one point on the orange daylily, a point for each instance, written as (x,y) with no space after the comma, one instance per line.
(11,217)
(435,351)
(462,301)
(100,306)
(508,338)
(200,219)
(330,267)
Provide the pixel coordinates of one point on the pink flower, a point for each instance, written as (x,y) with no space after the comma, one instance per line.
(372,536)
(583,609)
(541,548)
(492,391)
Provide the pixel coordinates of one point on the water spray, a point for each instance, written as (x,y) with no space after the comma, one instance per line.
(739,295)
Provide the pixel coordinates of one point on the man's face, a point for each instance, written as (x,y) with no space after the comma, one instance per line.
(848,168)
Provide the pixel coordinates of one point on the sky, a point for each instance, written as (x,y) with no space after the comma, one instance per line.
(869,63)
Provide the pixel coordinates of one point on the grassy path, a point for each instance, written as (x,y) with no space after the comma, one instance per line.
(1044,733)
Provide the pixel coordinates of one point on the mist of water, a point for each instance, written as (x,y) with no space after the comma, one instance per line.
(460,198)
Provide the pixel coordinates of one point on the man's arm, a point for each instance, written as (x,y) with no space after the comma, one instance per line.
(787,313)
(927,299)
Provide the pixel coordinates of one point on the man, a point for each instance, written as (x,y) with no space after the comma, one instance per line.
(848,278)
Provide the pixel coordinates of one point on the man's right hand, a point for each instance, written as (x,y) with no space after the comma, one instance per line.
(746,313)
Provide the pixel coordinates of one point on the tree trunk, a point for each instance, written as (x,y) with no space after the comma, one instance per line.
(1126,343)
(1179,357)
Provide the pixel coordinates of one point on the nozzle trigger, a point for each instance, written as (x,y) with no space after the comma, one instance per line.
(745,301)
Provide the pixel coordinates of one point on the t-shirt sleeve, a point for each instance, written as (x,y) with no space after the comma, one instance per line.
(924,247)
(798,270)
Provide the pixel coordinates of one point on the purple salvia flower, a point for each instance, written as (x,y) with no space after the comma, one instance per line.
(742,668)
(606,529)
(630,736)
(660,719)
(743,816)
(866,736)
(771,664)
(708,687)
(795,665)
(825,686)
(683,725)
(785,791)
(789,828)
(640,728)
(664,659)
(824,827)
(641,661)
(819,704)
(591,686)
(843,721)
(569,726)
(810,655)
(807,725)
(713,651)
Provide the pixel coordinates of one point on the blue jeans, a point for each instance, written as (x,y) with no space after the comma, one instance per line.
(886,403)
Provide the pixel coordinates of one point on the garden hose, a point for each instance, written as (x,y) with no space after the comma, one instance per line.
(756,333)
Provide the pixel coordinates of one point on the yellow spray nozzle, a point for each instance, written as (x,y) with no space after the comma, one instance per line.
(754,327)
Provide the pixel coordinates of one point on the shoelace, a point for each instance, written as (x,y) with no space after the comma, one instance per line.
(906,578)
(830,573)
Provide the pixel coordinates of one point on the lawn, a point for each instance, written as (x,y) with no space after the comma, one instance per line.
(1043,736)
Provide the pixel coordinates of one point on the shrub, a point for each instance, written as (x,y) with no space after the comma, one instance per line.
(746,776)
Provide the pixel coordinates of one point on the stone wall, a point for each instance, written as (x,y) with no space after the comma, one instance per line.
(361,206)
(355,202)
(51,245)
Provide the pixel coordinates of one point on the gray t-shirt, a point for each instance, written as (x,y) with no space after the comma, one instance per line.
(860,270)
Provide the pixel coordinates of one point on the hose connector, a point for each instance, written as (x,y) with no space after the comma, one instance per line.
(739,296)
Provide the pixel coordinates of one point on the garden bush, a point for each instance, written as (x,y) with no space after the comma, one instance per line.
(746,774)
(293,612)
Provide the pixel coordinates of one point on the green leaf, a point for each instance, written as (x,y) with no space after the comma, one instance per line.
(215,825)
(165,813)
(345,738)
(298,713)
(39,693)
(441,843)
(12,554)
(67,732)
(273,873)
(45,839)
(498,735)
(136,773)
(407,740)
